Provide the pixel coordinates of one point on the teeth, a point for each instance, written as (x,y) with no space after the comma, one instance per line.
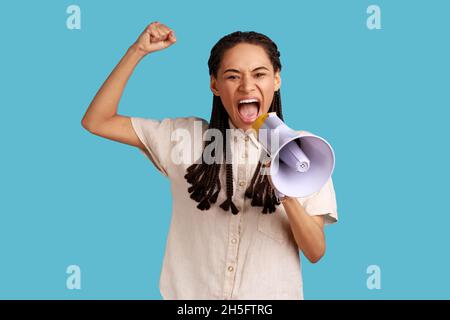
(248,101)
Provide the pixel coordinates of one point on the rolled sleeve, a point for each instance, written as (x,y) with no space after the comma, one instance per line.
(155,135)
(323,203)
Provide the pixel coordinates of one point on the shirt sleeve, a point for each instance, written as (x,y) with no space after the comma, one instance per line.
(322,202)
(155,135)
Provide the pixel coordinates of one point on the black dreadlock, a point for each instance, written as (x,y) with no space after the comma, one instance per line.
(204,177)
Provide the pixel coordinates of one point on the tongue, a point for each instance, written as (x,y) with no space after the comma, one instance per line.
(248,111)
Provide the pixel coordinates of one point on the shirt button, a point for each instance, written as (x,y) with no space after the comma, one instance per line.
(235,139)
(230,269)
(241,183)
(233,241)
(246,138)
(244,155)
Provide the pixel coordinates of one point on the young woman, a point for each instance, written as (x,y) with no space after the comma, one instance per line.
(222,243)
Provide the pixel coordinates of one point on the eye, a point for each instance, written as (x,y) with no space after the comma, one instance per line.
(259,75)
(231,77)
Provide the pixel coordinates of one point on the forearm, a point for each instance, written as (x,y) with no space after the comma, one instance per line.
(308,233)
(106,101)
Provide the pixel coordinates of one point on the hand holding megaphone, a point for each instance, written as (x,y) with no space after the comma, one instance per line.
(300,162)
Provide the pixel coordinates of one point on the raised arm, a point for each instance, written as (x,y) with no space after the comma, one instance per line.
(101,117)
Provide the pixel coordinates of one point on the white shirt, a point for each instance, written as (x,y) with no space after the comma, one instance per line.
(214,254)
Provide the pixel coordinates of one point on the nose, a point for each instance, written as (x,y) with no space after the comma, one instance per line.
(247,84)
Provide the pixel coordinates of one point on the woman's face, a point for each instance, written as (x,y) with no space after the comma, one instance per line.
(245,72)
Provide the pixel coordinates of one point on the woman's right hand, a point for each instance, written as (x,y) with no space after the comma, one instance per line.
(155,37)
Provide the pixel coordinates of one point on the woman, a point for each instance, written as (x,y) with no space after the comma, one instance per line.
(210,253)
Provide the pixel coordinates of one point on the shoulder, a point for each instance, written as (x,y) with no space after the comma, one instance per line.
(170,123)
(189,122)
(192,126)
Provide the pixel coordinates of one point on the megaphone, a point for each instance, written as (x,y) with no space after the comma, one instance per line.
(301,162)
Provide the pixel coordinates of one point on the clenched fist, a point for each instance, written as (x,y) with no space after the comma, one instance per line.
(155,37)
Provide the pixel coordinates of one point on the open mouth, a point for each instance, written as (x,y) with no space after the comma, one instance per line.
(248,110)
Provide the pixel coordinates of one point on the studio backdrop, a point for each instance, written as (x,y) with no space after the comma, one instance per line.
(82,217)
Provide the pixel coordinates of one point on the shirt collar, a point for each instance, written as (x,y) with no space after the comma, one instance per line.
(240,134)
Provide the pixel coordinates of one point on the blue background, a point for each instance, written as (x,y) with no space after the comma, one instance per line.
(380,97)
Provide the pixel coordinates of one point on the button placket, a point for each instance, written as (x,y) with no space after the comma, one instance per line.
(241,174)
(232,252)
(241,171)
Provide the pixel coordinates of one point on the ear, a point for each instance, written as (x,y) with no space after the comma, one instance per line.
(213,86)
(277,81)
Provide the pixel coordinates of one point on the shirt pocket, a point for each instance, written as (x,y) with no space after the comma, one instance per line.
(275,226)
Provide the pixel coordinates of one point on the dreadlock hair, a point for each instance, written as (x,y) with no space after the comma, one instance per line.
(204,177)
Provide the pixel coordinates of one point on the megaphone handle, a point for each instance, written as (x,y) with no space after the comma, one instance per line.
(279,195)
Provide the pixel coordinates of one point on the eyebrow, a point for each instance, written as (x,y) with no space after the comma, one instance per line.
(237,71)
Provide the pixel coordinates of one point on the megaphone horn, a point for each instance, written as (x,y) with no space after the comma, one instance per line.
(301,162)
